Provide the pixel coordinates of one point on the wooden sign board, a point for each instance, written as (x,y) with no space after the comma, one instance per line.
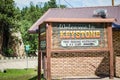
(79,36)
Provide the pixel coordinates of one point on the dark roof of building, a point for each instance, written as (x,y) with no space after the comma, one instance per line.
(84,12)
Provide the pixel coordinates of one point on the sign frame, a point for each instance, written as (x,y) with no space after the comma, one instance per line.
(49,36)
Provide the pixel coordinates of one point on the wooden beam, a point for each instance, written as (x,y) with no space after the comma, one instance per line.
(48,36)
(78,51)
(75,20)
(39,56)
(111,56)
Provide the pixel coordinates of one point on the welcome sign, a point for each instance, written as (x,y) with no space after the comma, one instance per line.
(79,35)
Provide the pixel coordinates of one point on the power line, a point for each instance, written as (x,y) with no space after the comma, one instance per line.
(68,3)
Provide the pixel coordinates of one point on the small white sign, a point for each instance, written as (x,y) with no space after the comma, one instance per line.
(89,42)
(75,43)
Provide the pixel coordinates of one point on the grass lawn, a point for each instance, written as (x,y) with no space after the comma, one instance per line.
(19,74)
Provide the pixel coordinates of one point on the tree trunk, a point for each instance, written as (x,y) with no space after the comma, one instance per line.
(5,39)
(1,39)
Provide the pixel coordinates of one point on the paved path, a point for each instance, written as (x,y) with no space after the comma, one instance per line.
(91,78)
(18,63)
(107,78)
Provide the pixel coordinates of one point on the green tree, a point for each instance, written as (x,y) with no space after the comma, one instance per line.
(29,15)
(63,6)
(50,4)
(30,39)
(14,19)
(8,21)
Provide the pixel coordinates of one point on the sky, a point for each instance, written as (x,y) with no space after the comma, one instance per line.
(70,3)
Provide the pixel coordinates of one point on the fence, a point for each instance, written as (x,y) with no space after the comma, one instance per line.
(18,62)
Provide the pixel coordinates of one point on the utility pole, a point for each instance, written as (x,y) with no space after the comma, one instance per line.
(112,2)
(59,3)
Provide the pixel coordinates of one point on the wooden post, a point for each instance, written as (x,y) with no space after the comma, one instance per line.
(48,36)
(112,2)
(39,56)
(110,44)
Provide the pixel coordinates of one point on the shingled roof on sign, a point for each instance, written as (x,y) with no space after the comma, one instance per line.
(84,12)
